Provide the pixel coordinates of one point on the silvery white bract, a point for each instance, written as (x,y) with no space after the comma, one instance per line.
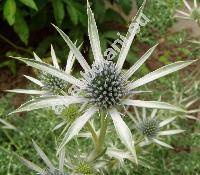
(7,125)
(193,12)
(50,168)
(50,84)
(150,128)
(187,97)
(104,86)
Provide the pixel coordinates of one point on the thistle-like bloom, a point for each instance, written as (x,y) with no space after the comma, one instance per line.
(104,85)
(50,168)
(192,14)
(49,85)
(150,128)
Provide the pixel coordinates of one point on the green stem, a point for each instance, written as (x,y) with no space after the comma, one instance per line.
(92,131)
(103,130)
(100,140)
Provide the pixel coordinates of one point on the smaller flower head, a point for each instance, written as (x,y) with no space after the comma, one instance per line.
(192,14)
(195,14)
(52,83)
(71,113)
(149,128)
(84,168)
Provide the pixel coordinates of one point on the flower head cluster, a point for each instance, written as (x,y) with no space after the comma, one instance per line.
(192,14)
(104,85)
(150,128)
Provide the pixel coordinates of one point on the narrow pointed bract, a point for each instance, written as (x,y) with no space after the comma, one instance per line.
(73,48)
(130,36)
(93,35)
(123,132)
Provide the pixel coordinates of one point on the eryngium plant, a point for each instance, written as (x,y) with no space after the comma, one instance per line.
(192,14)
(49,169)
(104,88)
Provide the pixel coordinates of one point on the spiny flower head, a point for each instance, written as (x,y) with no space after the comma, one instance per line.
(192,14)
(71,113)
(84,168)
(149,127)
(52,83)
(195,14)
(105,86)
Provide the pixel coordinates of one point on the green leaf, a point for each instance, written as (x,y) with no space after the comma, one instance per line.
(30,3)
(9,11)
(126,5)
(73,13)
(21,27)
(59,11)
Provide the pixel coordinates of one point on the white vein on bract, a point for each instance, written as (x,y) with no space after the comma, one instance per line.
(139,63)
(34,80)
(167,121)
(61,160)
(165,70)
(37,58)
(151,104)
(43,156)
(51,70)
(183,13)
(187,5)
(170,132)
(130,36)
(154,112)
(162,143)
(31,165)
(123,132)
(7,125)
(70,61)
(93,35)
(54,59)
(73,48)
(27,91)
(49,101)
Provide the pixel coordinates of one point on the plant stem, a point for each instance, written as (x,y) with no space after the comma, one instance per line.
(100,140)
(92,131)
(14,45)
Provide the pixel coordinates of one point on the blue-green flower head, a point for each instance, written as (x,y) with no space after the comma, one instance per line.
(149,127)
